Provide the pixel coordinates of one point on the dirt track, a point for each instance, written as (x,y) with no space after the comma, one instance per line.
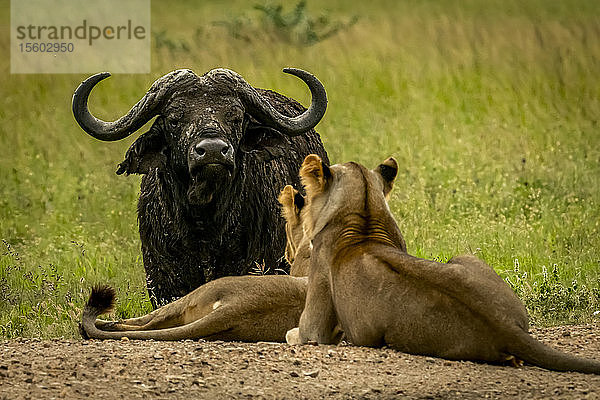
(73,369)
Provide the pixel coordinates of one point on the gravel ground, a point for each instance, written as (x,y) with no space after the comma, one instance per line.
(73,369)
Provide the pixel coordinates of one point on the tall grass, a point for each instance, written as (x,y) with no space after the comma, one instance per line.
(491,109)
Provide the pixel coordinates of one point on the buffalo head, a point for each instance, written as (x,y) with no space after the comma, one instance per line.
(204,126)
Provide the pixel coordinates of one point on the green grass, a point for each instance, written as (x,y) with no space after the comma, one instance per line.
(490,107)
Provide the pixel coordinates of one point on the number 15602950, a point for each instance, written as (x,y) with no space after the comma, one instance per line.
(48,47)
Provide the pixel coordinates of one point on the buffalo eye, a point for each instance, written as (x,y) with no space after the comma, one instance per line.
(172,123)
(234,117)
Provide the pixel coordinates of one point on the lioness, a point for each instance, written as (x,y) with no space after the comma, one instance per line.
(242,308)
(362,278)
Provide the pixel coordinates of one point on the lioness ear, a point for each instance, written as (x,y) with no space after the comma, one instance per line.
(388,170)
(291,202)
(286,197)
(314,174)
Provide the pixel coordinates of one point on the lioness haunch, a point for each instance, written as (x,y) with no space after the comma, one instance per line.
(243,308)
(361,277)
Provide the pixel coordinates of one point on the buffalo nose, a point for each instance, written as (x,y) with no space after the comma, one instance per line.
(212,150)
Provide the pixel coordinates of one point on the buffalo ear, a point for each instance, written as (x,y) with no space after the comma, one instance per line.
(315,174)
(264,142)
(388,171)
(144,155)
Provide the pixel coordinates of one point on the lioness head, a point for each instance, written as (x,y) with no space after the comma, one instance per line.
(351,196)
(292,203)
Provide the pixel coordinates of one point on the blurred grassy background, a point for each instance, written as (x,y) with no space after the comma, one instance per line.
(490,107)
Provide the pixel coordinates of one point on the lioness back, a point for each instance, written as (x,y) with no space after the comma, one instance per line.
(362,278)
(408,313)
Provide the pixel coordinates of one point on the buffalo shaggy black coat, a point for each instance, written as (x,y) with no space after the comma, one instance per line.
(213,164)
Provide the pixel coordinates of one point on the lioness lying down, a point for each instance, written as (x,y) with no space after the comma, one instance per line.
(361,276)
(243,308)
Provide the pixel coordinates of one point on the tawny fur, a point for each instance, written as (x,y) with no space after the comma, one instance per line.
(361,278)
(241,308)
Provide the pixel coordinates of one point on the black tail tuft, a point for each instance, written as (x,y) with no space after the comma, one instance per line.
(102,299)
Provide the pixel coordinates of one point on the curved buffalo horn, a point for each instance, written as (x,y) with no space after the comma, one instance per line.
(263,111)
(290,125)
(148,106)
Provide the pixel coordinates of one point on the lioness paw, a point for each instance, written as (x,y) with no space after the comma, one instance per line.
(293,336)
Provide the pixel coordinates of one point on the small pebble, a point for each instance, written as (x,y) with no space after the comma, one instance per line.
(312,374)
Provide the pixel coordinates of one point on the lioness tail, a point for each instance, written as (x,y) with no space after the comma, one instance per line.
(101,301)
(535,352)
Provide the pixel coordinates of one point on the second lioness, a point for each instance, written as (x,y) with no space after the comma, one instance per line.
(361,277)
(241,308)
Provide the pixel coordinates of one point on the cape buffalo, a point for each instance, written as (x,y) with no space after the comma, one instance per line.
(213,163)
